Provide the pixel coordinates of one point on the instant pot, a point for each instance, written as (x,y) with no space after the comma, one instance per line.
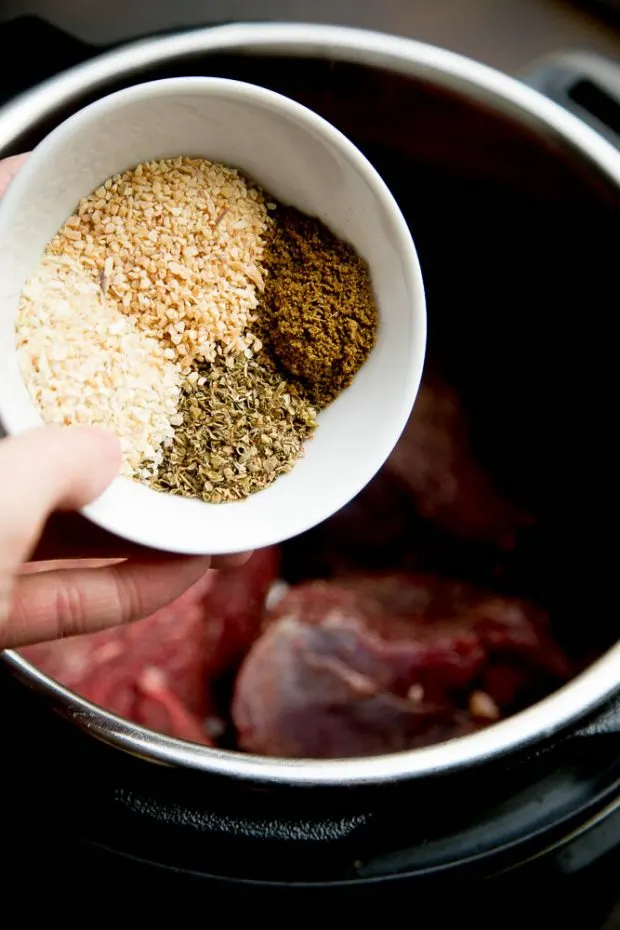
(513,201)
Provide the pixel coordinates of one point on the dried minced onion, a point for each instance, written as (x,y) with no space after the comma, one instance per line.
(85,363)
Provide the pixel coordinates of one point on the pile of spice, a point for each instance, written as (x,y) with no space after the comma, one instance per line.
(252,429)
(319,318)
(204,324)
(66,329)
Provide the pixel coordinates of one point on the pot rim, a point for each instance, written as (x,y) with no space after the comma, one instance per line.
(561,709)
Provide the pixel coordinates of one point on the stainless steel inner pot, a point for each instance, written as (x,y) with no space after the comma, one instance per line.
(447,113)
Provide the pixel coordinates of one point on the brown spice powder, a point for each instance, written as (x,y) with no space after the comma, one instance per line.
(318,318)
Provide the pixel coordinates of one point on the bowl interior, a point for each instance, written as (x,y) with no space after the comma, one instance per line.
(300,159)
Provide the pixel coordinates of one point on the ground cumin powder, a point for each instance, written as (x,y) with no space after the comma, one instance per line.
(318,318)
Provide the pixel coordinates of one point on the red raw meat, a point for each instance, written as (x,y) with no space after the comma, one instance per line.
(504,681)
(158,708)
(376,664)
(156,672)
(235,609)
(444,608)
(435,460)
(297,696)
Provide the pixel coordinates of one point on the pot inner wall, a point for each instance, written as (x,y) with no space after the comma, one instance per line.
(516,244)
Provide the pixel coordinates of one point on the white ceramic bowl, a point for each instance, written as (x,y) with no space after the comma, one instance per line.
(302,160)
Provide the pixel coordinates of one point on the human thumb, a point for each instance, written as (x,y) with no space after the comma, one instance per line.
(47,469)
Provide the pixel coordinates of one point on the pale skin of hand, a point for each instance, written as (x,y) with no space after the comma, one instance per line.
(60,575)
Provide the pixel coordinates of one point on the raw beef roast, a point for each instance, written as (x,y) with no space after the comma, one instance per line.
(378,664)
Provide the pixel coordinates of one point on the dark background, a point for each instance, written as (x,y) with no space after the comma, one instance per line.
(507,34)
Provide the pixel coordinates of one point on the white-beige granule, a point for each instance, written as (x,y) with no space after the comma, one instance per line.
(86,363)
(178,244)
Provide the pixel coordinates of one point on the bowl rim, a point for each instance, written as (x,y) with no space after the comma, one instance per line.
(173,525)
(564,708)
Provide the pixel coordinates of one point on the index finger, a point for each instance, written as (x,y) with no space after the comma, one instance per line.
(70,536)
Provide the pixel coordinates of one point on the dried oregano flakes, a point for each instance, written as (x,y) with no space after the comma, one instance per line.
(242,429)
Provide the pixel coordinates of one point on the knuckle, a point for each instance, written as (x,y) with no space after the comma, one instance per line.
(130,600)
(70,609)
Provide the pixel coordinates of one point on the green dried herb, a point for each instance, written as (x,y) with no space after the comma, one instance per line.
(241,430)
